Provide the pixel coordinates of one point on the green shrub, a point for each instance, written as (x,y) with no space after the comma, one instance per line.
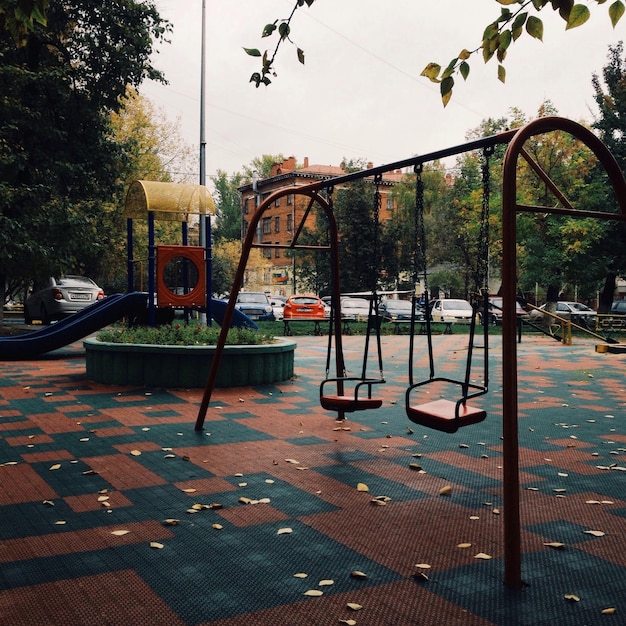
(178,334)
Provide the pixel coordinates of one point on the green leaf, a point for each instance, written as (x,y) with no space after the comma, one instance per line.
(501,73)
(450,69)
(578,16)
(534,27)
(565,8)
(300,53)
(464,68)
(446,89)
(253,52)
(268,30)
(284,30)
(431,71)
(539,4)
(517,26)
(616,10)
(491,31)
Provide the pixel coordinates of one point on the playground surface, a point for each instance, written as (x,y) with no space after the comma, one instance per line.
(90,474)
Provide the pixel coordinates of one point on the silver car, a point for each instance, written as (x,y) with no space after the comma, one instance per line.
(56,298)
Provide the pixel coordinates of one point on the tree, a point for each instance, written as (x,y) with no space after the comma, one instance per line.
(497,37)
(228,206)
(61,77)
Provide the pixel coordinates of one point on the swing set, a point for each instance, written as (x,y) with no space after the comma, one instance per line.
(343,393)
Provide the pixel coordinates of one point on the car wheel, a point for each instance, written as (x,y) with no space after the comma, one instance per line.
(45,318)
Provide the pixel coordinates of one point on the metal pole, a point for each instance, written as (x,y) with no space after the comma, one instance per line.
(203,226)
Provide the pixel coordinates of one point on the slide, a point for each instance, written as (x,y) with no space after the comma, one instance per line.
(91,319)
(240,320)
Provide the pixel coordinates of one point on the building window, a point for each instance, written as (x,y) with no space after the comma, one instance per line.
(290,223)
(290,199)
(248,203)
(277,224)
(277,202)
(389,199)
(267,225)
(277,250)
(245,228)
(267,253)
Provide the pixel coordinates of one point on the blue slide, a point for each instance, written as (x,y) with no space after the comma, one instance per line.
(89,320)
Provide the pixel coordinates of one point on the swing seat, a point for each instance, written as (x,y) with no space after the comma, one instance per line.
(441,415)
(349,404)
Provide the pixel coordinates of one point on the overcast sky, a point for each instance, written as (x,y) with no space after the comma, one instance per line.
(359,94)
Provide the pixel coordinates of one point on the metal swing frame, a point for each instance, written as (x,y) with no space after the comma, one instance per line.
(361,397)
(446,415)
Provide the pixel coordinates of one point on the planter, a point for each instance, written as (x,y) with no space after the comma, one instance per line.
(186,367)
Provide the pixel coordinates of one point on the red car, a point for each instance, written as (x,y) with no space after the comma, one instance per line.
(304,306)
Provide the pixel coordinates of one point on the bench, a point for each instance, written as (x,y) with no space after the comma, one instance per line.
(420,325)
(316,321)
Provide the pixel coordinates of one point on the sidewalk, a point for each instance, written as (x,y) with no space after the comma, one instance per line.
(267,493)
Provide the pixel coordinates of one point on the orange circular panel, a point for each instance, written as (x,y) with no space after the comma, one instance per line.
(174,265)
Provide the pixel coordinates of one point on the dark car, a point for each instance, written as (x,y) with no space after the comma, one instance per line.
(391,310)
(56,298)
(618,308)
(256,305)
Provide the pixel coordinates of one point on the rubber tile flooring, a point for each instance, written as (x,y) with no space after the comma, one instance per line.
(114,510)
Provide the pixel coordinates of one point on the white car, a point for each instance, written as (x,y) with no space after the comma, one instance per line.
(355,309)
(576,312)
(278,304)
(456,311)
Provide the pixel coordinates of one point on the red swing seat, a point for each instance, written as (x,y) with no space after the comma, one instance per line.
(348,403)
(445,415)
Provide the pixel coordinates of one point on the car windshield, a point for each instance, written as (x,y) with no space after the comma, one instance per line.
(304,300)
(74,280)
(456,305)
(577,306)
(251,297)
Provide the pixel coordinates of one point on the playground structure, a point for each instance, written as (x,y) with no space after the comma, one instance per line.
(515,140)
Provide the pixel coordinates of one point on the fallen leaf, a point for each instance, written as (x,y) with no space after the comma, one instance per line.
(445,491)
(354,606)
(423,565)
(595,533)
(300,575)
(349,622)
(284,531)
(464,545)
(61,522)
(190,490)
(292,461)
(170,522)
(156,545)
(362,487)
(609,611)
(325,583)
(136,452)
(483,556)
(314,592)
(358,574)
(554,544)
(56,466)
(570,597)
(48,502)
(120,533)
(217,526)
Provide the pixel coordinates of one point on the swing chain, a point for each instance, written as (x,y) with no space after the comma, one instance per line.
(378,178)
(419,239)
(481,277)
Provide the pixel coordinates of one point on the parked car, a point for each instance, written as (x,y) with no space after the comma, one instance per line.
(576,312)
(494,311)
(256,305)
(355,308)
(304,306)
(618,308)
(278,304)
(457,311)
(391,309)
(56,298)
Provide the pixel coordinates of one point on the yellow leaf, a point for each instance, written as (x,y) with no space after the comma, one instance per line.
(120,533)
(136,452)
(300,575)
(445,491)
(190,490)
(570,597)
(156,545)
(554,544)
(217,526)
(56,466)
(170,522)
(354,606)
(284,531)
(325,583)
(358,574)
(349,622)
(482,556)
(423,565)
(595,533)
(464,545)
(314,592)
(362,487)
(609,611)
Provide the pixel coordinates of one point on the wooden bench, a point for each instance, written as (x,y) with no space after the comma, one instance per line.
(316,321)
(420,325)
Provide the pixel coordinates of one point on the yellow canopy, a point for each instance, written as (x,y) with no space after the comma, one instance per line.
(168,201)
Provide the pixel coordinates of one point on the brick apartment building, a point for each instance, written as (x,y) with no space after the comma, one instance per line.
(278,223)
